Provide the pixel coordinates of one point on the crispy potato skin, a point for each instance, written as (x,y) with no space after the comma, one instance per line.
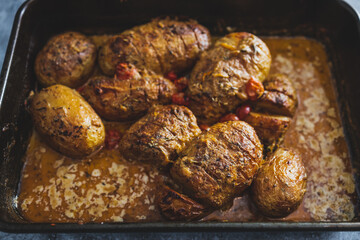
(279,96)
(270,128)
(129,99)
(280,185)
(217,83)
(67,121)
(160,46)
(178,207)
(66,59)
(160,135)
(219,164)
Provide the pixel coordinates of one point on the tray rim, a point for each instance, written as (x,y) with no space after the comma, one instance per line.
(18,227)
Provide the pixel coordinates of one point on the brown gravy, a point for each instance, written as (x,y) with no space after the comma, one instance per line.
(106,188)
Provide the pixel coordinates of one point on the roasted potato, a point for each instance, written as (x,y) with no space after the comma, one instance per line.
(160,135)
(67,121)
(280,185)
(227,75)
(176,206)
(66,59)
(270,128)
(219,164)
(160,46)
(129,96)
(279,96)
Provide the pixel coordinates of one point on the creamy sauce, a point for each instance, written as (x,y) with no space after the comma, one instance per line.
(106,188)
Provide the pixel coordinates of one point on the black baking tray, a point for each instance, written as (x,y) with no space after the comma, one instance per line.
(332,22)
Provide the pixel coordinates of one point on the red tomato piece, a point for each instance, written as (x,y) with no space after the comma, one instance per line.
(180,99)
(181,83)
(204,127)
(229,117)
(124,71)
(171,76)
(112,139)
(254,89)
(243,111)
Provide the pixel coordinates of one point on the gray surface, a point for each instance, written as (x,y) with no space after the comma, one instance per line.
(7,12)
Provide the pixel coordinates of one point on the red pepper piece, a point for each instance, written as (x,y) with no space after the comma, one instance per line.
(229,117)
(124,71)
(171,76)
(112,139)
(180,99)
(254,89)
(243,111)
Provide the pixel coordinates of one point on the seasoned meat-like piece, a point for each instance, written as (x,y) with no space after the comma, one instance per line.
(269,128)
(226,74)
(66,59)
(219,164)
(161,46)
(280,185)
(176,206)
(279,96)
(123,98)
(160,135)
(67,121)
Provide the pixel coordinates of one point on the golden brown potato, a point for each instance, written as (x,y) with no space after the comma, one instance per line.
(162,45)
(279,96)
(67,121)
(177,206)
(228,74)
(280,184)
(66,59)
(219,164)
(270,128)
(129,96)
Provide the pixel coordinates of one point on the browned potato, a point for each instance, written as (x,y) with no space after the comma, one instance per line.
(67,121)
(279,96)
(160,135)
(280,184)
(219,164)
(177,206)
(66,59)
(227,74)
(128,98)
(270,128)
(160,46)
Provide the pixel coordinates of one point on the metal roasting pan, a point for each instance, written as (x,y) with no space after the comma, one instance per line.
(332,22)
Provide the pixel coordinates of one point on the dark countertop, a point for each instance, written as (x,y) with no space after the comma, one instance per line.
(7,13)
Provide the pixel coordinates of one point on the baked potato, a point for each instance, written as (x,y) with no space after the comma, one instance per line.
(228,74)
(160,135)
(280,185)
(67,121)
(219,164)
(129,96)
(162,45)
(66,59)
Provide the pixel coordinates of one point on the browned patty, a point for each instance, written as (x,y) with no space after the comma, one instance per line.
(219,164)
(218,81)
(127,99)
(66,59)
(160,45)
(279,96)
(160,135)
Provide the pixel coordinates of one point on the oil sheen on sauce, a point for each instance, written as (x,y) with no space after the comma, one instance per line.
(106,188)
